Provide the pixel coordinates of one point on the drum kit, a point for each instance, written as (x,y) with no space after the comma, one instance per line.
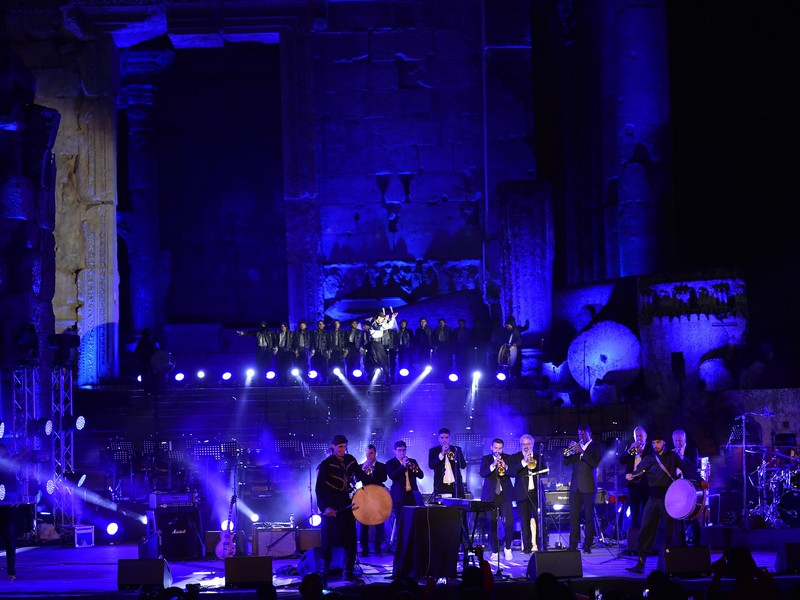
(778,484)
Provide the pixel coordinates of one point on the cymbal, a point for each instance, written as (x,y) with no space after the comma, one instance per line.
(781,454)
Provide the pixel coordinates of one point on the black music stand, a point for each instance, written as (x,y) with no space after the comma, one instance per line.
(310,449)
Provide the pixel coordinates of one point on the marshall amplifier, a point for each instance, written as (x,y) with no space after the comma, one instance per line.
(178,532)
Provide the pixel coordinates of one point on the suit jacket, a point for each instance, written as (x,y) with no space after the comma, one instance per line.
(437,466)
(379,474)
(583,468)
(491,477)
(522,475)
(397,473)
(627,461)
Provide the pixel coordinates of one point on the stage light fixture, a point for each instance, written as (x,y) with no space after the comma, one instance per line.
(357,373)
(315,520)
(80,423)
(139,378)
(43,426)
(2,428)
(254,518)
(338,372)
(112,529)
(50,486)
(179,377)
(476,375)
(271,375)
(2,492)
(312,374)
(201,374)
(223,526)
(75,479)
(501,376)
(453,377)
(404,372)
(250,373)
(295,372)
(226,376)
(427,369)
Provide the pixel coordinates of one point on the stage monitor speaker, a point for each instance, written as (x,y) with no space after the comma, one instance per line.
(248,571)
(564,564)
(278,543)
(213,538)
(311,561)
(147,573)
(690,561)
(787,562)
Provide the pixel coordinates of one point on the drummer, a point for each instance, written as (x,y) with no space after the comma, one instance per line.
(376,475)
(333,487)
(660,468)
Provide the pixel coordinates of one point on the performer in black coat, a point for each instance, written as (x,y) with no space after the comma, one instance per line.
(404,473)
(584,456)
(691,455)
(661,469)
(498,489)
(525,465)
(638,490)
(446,462)
(376,475)
(335,476)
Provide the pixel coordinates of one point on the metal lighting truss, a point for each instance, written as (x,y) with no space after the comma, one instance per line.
(63,455)
(27,409)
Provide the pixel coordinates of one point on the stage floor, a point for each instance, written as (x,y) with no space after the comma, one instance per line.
(54,571)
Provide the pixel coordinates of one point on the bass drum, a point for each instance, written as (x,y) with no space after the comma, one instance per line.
(372,504)
(685,499)
(789,508)
(507,356)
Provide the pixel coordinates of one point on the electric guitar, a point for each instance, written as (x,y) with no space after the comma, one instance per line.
(226,546)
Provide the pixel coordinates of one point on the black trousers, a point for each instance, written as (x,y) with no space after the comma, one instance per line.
(339,531)
(654,511)
(581,502)
(637,500)
(528,508)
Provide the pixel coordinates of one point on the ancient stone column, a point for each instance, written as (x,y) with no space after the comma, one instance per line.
(139,226)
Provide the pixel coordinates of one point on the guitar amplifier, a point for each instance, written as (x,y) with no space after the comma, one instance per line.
(274,542)
(178,532)
(171,500)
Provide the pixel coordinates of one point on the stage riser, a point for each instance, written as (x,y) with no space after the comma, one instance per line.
(721,538)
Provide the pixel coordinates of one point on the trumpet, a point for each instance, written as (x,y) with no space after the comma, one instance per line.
(531,460)
(634,449)
(368,468)
(450,454)
(573,448)
(501,466)
(412,466)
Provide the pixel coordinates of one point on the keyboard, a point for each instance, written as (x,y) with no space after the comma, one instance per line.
(466,505)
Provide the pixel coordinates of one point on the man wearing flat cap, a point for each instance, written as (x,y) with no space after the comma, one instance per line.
(335,477)
(660,467)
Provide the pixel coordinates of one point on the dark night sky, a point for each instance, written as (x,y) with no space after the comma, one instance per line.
(735,66)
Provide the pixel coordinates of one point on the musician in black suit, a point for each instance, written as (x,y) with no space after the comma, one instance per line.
(499,490)
(9,494)
(691,455)
(404,473)
(446,462)
(376,475)
(525,465)
(660,468)
(584,456)
(638,490)
(335,477)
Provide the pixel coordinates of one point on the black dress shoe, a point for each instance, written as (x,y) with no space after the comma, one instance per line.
(638,567)
(352,577)
(587,550)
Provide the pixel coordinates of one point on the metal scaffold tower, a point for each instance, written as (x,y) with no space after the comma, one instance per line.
(63,451)
(27,410)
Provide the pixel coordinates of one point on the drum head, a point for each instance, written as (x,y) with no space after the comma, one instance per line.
(507,356)
(681,499)
(372,504)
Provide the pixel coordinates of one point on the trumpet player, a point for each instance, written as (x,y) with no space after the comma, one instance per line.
(583,456)
(446,462)
(376,475)
(638,490)
(498,489)
(404,473)
(525,466)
